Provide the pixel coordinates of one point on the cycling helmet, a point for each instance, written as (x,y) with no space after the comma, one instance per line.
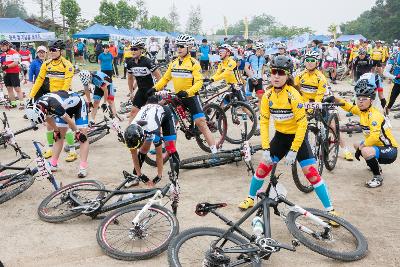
(226,47)
(134,136)
(282,62)
(260,45)
(357,42)
(331,41)
(281,46)
(138,43)
(365,88)
(42,48)
(24,45)
(59,44)
(85,76)
(185,40)
(4,42)
(35,112)
(235,43)
(378,41)
(312,54)
(362,51)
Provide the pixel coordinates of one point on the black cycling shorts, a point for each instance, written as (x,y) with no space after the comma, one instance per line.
(385,154)
(194,105)
(140,98)
(204,64)
(280,146)
(237,93)
(12,80)
(376,63)
(258,88)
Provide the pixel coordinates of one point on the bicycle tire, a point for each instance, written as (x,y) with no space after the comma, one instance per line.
(92,58)
(233,106)
(176,244)
(203,161)
(120,255)
(216,123)
(43,209)
(26,179)
(153,162)
(305,186)
(330,164)
(308,240)
(96,136)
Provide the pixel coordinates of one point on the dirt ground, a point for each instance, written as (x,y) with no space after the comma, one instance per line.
(27,241)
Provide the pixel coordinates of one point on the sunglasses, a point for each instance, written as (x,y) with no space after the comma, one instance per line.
(180,46)
(362,98)
(311,60)
(134,48)
(52,49)
(280,72)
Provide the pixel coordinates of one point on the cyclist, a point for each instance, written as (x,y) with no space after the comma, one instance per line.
(379,146)
(26,59)
(142,70)
(362,63)
(313,86)
(9,61)
(353,55)
(332,58)
(103,86)
(63,106)
(144,130)
(255,68)
(378,56)
(185,73)
(154,48)
(59,73)
(127,56)
(284,103)
(392,71)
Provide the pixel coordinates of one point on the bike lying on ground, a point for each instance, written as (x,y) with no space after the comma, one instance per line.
(324,137)
(102,128)
(7,134)
(209,246)
(90,198)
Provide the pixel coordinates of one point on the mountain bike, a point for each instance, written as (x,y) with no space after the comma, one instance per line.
(242,153)
(102,128)
(210,246)
(324,137)
(7,134)
(142,231)
(234,109)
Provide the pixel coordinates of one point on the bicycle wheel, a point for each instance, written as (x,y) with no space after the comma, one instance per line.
(58,206)
(237,113)
(332,139)
(204,161)
(150,158)
(191,246)
(92,58)
(217,123)
(344,243)
(93,136)
(122,240)
(15,186)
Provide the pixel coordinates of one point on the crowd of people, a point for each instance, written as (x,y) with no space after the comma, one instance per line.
(295,77)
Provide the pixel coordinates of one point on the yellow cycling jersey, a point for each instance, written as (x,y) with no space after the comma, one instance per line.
(378,53)
(185,75)
(354,53)
(127,52)
(377,131)
(287,109)
(227,71)
(59,72)
(313,85)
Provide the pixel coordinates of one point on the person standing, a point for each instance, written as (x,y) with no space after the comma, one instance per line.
(120,51)
(81,50)
(98,49)
(205,51)
(32,50)
(105,60)
(9,59)
(127,56)
(26,59)
(68,50)
(114,52)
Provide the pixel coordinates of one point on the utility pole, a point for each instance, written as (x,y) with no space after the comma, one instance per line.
(41,9)
(64,35)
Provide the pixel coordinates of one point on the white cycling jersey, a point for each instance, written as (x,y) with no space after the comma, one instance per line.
(332,54)
(153,114)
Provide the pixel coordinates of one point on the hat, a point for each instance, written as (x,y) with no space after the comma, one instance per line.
(42,48)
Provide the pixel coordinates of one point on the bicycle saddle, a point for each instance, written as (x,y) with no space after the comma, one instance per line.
(202,209)
(141,123)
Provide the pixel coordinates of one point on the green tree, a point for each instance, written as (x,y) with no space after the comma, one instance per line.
(12,9)
(107,13)
(126,14)
(194,22)
(71,11)
(174,18)
(143,14)
(159,24)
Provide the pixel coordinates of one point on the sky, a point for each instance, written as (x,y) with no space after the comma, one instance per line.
(313,13)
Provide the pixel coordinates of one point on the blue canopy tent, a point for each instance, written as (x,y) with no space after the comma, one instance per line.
(18,30)
(98,31)
(322,38)
(346,38)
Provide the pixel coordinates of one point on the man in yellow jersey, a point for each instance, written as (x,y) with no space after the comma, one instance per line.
(378,56)
(126,56)
(185,73)
(379,146)
(58,72)
(353,55)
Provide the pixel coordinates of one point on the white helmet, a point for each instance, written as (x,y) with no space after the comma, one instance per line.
(235,43)
(312,54)
(85,77)
(34,113)
(357,42)
(42,48)
(331,41)
(281,46)
(226,47)
(259,45)
(185,40)
(138,43)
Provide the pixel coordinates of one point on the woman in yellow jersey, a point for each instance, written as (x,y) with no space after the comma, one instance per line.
(284,103)
(379,145)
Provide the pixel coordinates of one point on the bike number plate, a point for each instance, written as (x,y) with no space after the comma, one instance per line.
(312,105)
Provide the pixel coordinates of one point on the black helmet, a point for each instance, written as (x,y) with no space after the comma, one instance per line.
(4,42)
(365,88)
(282,62)
(362,51)
(134,136)
(59,44)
